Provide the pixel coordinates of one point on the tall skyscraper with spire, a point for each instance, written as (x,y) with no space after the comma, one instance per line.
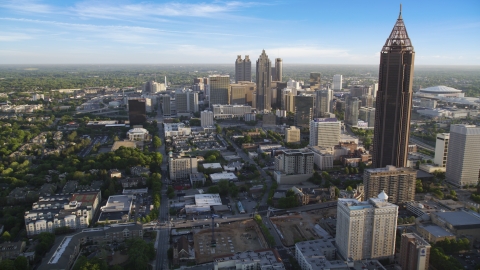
(263,80)
(394,99)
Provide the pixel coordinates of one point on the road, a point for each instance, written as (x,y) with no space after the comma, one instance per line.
(421,144)
(162,243)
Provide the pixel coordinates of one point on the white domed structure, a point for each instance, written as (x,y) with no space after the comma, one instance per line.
(442,90)
(383,196)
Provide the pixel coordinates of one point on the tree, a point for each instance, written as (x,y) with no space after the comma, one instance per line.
(453,193)
(21,263)
(6,236)
(347,171)
(213,189)
(349,189)
(7,265)
(157,142)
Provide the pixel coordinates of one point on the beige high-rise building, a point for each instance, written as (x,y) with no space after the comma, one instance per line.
(289,98)
(292,135)
(366,230)
(414,252)
(243,69)
(399,183)
(241,93)
(325,132)
(181,167)
(263,78)
(441,149)
(463,166)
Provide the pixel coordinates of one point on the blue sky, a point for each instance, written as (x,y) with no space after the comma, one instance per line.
(165,32)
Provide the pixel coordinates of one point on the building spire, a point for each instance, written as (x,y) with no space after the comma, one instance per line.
(398,38)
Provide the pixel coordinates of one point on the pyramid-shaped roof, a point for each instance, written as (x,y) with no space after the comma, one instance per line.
(398,39)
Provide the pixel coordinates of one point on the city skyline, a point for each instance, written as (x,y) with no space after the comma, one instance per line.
(84,32)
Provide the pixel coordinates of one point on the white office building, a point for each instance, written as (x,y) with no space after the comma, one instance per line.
(176,129)
(230,111)
(441,149)
(337,82)
(206,119)
(463,164)
(366,230)
(325,132)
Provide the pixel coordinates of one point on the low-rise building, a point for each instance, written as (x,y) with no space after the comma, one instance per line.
(265,259)
(197,178)
(292,135)
(138,134)
(139,170)
(132,182)
(114,173)
(117,209)
(322,157)
(183,250)
(11,250)
(433,233)
(302,198)
(317,255)
(466,223)
(67,250)
(63,210)
(216,177)
(176,129)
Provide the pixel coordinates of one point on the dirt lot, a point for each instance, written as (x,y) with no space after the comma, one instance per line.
(299,227)
(232,238)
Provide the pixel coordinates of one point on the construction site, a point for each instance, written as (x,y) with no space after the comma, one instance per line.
(302,226)
(229,239)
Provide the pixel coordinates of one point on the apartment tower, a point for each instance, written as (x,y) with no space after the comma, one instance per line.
(394,99)
(264,94)
(463,166)
(303,110)
(398,182)
(366,230)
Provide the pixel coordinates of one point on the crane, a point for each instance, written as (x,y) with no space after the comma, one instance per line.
(214,243)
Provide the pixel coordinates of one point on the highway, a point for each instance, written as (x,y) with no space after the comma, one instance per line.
(421,144)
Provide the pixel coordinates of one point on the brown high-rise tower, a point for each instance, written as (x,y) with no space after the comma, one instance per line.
(394,99)
(264,81)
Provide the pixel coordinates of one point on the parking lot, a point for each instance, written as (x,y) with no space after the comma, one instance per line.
(97,140)
(469,260)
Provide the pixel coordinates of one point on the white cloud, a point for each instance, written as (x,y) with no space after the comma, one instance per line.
(27,6)
(8,36)
(112,10)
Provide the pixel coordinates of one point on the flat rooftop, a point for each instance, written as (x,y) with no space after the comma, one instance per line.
(461,219)
(207,199)
(212,166)
(436,230)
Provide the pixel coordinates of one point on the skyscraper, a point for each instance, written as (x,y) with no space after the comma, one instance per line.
(323,100)
(394,99)
(351,112)
(219,85)
(337,82)
(315,80)
(137,112)
(366,230)
(303,110)
(263,79)
(463,160)
(166,107)
(186,101)
(278,69)
(243,69)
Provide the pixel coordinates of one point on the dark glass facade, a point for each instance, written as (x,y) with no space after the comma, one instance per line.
(137,111)
(394,99)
